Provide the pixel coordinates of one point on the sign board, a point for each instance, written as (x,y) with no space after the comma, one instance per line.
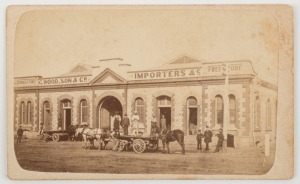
(207,69)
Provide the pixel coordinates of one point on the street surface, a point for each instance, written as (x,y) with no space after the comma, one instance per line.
(64,156)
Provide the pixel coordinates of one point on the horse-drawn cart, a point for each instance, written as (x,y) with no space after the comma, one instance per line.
(138,143)
(55,135)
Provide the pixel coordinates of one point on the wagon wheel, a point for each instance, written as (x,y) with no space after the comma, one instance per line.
(55,137)
(122,145)
(139,146)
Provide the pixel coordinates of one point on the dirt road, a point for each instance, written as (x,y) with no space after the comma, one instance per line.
(66,156)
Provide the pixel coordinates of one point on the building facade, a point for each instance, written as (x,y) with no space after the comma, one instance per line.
(188,92)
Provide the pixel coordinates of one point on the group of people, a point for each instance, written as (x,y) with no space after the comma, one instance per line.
(208,139)
(137,127)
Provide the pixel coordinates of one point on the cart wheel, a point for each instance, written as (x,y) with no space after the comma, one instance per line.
(122,145)
(55,137)
(139,146)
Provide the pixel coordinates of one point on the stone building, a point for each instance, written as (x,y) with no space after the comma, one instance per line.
(188,92)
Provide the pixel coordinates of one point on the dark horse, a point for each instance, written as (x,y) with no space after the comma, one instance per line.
(168,136)
(71,129)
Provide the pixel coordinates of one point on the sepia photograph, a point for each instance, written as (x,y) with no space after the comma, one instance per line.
(131,91)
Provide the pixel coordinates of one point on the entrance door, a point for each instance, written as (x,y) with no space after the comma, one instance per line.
(106,111)
(67,115)
(166,111)
(192,119)
(67,118)
(164,108)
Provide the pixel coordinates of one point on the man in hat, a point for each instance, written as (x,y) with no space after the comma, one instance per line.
(220,135)
(163,123)
(125,124)
(41,130)
(20,134)
(153,125)
(117,120)
(135,119)
(207,137)
(199,140)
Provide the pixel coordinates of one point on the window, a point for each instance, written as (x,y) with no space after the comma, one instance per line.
(29,113)
(66,104)
(192,102)
(139,106)
(164,101)
(268,115)
(232,109)
(46,113)
(83,113)
(256,113)
(22,113)
(219,109)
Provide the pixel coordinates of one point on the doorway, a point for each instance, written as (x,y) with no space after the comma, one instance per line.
(192,121)
(166,112)
(106,111)
(66,115)
(164,109)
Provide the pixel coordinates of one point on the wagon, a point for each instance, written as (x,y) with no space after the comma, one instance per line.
(55,135)
(138,143)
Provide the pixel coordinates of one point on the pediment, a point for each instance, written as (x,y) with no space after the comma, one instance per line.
(78,68)
(108,77)
(184,60)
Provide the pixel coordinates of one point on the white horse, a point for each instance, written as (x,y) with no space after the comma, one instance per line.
(90,134)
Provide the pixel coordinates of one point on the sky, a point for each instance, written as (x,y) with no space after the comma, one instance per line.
(51,42)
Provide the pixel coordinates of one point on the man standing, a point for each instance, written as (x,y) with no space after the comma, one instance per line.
(125,124)
(199,140)
(207,137)
(163,123)
(20,134)
(135,119)
(117,120)
(153,124)
(220,135)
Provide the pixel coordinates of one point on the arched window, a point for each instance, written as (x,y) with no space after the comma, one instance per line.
(46,113)
(268,115)
(164,101)
(192,102)
(219,110)
(232,109)
(83,114)
(29,113)
(22,113)
(256,113)
(139,106)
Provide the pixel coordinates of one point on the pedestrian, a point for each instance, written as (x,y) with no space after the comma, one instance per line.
(207,137)
(199,140)
(117,120)
(163,123)
(125,124)
(41,130)
(220,135)
(135,119)
(153,125)
(20,134)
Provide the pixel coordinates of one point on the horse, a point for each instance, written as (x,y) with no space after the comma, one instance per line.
(83,131)
(168,136)
(88,134)
(71,132)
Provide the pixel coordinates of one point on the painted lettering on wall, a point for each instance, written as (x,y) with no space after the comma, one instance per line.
(64,80)
(182,73)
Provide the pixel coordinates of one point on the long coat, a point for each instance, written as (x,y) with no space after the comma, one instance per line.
(207,136)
